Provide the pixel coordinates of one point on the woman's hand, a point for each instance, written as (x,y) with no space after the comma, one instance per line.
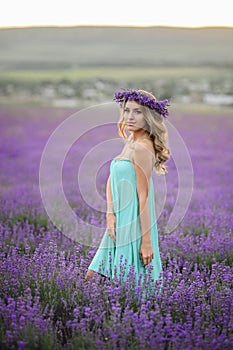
(111,225)
(146,253)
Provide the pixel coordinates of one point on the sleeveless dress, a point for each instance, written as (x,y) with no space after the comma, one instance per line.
(122,257)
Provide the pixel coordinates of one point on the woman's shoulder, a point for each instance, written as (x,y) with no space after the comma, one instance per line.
(146,144)
(143,151)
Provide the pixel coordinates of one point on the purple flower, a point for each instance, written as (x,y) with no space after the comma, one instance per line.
(143,99)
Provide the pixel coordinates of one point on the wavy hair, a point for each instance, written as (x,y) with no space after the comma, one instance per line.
(156,130)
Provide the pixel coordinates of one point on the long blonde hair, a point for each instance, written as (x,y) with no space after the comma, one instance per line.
(157,131)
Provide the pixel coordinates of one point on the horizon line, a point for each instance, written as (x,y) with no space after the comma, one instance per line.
(114,25)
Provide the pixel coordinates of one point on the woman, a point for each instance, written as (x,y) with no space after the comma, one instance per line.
(131,237)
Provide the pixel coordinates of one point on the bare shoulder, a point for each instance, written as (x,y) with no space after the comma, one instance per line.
(142,154)
(144,147)
(142,161)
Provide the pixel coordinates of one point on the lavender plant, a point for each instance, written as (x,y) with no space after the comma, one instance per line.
(45,303)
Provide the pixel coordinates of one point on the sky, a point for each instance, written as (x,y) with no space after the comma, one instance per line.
(181,13)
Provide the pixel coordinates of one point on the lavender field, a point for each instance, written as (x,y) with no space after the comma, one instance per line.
(45,302)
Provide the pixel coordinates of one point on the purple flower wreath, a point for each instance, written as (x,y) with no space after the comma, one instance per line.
(145,100)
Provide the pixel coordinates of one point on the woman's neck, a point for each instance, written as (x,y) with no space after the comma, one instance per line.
(134,137)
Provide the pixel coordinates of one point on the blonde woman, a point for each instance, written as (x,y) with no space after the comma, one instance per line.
(131,237)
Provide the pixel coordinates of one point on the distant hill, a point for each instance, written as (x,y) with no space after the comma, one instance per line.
(76,47)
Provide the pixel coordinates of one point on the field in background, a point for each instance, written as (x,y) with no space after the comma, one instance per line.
(129,73)
(78,66)
(51,48)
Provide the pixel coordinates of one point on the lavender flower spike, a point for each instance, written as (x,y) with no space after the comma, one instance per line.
(145,100)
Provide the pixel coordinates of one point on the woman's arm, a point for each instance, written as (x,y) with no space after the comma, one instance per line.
(143,167)
(110,217)
(109,196)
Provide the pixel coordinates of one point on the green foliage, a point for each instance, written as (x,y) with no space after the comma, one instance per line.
(31,217)
(29,77)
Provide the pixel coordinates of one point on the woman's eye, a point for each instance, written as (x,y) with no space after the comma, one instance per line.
(127,111)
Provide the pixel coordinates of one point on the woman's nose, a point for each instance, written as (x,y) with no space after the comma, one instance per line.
(130,116)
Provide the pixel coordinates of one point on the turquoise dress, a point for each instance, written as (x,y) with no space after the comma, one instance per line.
(122,257)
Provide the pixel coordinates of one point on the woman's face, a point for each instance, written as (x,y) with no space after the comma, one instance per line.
(133,116)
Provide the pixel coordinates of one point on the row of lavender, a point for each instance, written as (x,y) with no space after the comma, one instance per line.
(45,301)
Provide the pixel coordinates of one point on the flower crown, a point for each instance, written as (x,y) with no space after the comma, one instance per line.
(143,99)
